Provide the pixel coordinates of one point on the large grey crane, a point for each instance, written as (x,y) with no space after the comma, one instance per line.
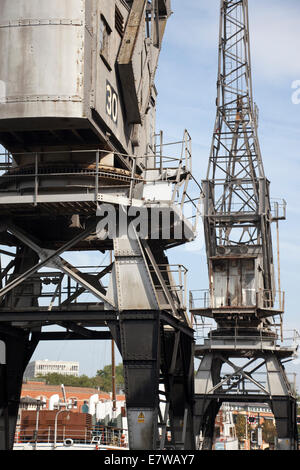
(77,120)
(243,299)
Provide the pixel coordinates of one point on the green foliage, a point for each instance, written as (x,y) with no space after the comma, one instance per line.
(70,381)
(268,431)
(240,427)
(105,377)
(102,380)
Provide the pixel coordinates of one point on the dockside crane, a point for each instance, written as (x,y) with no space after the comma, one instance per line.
(77,122)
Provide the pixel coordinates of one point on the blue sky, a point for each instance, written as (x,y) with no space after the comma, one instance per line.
(187,90)
(186,82)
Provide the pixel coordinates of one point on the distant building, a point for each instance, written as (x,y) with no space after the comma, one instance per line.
(38,368)
(49,399)
(52,397)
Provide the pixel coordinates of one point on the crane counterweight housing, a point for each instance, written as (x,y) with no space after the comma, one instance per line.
(62,86)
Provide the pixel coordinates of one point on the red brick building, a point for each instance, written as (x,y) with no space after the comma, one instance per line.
(90,411)
(80,395)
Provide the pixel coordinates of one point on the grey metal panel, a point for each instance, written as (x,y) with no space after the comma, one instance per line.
(146,349)
(132,276)
(104,74)
(164,7)
(142,427)
(54,76)
(50,36)
(277,382)
(2,353)
(204,380)
(43,9)
(129,60)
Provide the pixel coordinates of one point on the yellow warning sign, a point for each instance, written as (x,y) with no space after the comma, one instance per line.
(141,418)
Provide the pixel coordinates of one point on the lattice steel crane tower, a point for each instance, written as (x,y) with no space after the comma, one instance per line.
(242,299)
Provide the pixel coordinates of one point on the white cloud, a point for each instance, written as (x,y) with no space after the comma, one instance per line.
(275,38)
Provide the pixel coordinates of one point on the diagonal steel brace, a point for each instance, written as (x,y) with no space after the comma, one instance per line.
(52,258)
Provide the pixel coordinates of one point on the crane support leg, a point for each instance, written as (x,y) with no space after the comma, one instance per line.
(285,411)
(140,350)
(283,403)
(206,409)
(177,371)
(205,420)
(16,353)
(17,349)
(212,388)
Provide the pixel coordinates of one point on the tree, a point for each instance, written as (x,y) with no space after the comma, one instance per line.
(268,431)
(240,426)
(102,380)
(70,380)
(105,376)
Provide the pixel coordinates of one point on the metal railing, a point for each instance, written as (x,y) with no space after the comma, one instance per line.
(176,276)
(91,166)
(206,333)
(46,434)
(187,192)
(183,148)
(60,288)
(109,436)
(102,435)
(235,208)
(199,299)
(278,209)
(264,299)
(56,290)
(271,300)
(175,170)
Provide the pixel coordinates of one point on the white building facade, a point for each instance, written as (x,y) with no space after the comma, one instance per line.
(44,367)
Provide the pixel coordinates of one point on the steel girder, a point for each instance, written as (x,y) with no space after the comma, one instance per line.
(154,362)
(154,354)
(177,377)
(211,390)
(18,347)
(17,351)
(159,380)
(237,224)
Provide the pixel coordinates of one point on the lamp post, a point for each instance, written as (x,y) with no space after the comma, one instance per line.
(36,432)
(55,426)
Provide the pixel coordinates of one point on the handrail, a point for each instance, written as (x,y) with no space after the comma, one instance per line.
(204,335)
(265,299)
(59,286)
(180,168)
(97,434)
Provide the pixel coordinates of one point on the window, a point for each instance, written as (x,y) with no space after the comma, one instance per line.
(104,41)
(73,401)
(119,22)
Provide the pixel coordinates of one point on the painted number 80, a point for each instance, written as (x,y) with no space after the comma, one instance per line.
(111,103)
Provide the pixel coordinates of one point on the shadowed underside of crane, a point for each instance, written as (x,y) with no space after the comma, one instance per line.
(238,212)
